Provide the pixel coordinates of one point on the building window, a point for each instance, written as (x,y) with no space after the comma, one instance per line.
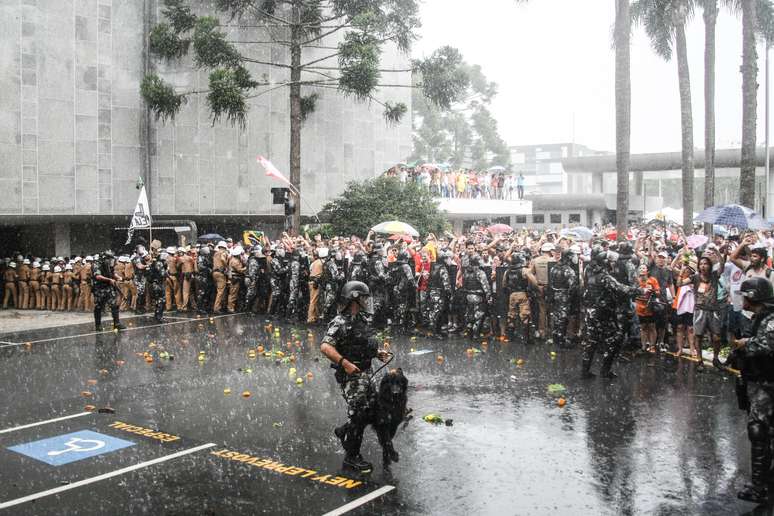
(556,218)
(520,219)
(575,218)
(538,218)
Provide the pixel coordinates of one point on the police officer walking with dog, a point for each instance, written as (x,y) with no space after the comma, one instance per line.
(349,346)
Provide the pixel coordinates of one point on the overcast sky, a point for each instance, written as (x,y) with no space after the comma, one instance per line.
(553,62)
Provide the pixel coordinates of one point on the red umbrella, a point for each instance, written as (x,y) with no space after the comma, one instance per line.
(500,228)
(405,238)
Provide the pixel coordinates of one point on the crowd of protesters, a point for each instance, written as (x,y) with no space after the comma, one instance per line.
(463,184)
(688,289)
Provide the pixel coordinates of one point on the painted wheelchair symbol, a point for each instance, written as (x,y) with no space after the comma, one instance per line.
(86,445)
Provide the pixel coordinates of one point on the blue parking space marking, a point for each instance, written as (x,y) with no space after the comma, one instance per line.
(67,448)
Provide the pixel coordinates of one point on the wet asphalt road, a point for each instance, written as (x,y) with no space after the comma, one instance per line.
(661,439)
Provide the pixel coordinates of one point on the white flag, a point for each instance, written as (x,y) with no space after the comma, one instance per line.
(141,218)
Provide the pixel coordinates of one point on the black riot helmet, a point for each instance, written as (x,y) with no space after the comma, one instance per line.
(757,290)
(625,249)
(600,258)
(474,261)
(518,261)
(359,257)
(356,291)
(569,257)
(403,257)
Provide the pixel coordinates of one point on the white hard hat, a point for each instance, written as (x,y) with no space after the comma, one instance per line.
(123,258)
(77,259)
(237,250)
(164,255)
(36,265)
(12,265)
(170,250)
(46,267)
(57,268)
(181,250)
(68,267)
(88,259)
(222,244)
(26,261)
(547,247)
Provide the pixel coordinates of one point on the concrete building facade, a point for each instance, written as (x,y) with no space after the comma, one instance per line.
(74,136)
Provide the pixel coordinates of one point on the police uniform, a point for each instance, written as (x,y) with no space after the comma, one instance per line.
(140,265)
(219,264)
(104,291)
(157,281)
(600,299)
(86,300)
(439,294)
(478,296)
(333,278)
(351,336)
(517,281)
(315,278)
(294,280)
(23,278)
(563,286)
(204,277)
(236,278)
(540,271)
(187,266)
(9,277)
(377,283)
(35,273)
(404,291)
(170,285)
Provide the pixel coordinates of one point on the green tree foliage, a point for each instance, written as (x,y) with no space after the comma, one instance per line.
(365,204)
(346,38)
(464,134)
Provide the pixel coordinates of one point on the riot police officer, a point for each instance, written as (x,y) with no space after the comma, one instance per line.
(294,280)
(517,280)
(377,283)
(333,278)
(478,294)
(562,296)
(157,279)
(626,274)
(105,290)
(600,300)
(277,274)
(251,277)
(359,269)
(404,291)
(439,293)
(349,345)
(203,276)
(755,357)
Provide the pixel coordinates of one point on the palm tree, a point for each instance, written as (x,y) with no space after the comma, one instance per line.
(623,107)
(664,22)
(710,8)
(749,103)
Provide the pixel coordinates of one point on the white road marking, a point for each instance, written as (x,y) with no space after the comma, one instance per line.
(354,504)
(132,328)
(91,480)
(54,420)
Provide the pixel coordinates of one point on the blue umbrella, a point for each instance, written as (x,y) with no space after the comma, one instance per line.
(733,215)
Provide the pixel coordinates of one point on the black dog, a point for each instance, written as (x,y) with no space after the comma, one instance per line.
(390,411)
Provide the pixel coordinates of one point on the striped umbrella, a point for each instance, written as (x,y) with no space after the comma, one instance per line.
(395,227)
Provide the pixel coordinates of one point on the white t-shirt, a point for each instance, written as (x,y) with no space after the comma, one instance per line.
(734,277)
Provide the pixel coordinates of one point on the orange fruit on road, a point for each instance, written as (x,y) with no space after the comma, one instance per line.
(245,394)
(561,402)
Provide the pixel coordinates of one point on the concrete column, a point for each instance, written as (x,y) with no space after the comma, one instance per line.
(597,182)
(62,239)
